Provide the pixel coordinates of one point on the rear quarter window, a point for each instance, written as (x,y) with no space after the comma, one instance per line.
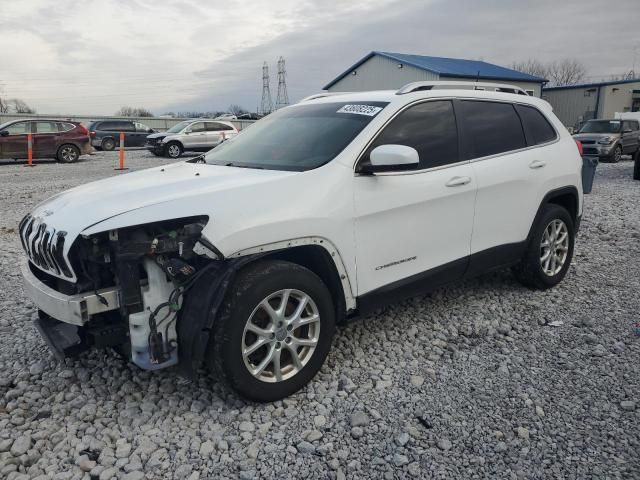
(536,125)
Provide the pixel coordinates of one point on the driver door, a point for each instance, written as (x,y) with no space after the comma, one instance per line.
(196,138)
(413,228)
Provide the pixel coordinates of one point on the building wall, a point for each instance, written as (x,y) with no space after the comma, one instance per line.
(574,105)
(380,73)
(618,98)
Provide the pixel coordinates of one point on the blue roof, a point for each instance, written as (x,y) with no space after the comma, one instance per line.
(448,67)
(597,84)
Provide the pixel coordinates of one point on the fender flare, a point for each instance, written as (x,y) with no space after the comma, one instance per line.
(334,253)
(568,189)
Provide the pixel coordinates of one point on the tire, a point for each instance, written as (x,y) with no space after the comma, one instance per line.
(531,269)
(173,150)
(68,153)
(108,144)
(617,154)
(268,281)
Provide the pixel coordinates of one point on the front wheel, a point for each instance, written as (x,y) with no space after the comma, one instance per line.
(273,332)
(173,150)
(68,153)
(549,251)
(617,154)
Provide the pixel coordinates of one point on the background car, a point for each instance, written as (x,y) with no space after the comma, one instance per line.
(610,139)
(190,135)
(105,134)
(63,140)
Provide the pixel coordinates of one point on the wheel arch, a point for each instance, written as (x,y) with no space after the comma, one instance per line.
(566,197)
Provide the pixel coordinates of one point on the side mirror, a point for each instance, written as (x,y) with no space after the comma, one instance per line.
(627,130)
(187,131)
(4,133)
(387,158)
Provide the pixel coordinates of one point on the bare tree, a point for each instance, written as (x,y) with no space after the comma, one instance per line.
(134,112)
(532,67)
(566,72)
(559,73)
(236,109)
(20,106)
(4,106)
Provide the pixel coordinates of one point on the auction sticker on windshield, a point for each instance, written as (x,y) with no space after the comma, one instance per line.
(368,110)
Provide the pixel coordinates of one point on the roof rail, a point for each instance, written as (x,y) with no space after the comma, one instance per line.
(322,95)
(462,85)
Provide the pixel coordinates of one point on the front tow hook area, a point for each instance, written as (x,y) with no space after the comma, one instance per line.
(63,339)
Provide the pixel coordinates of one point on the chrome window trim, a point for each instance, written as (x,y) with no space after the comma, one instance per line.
(472,160)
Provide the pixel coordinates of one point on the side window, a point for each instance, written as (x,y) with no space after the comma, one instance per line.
(538,127)
(429,127)
(141,127)
(492,127)
(65,127)
(127,127)
(217,127)
(45,127)
(106,126)
(20,128)
(197,127)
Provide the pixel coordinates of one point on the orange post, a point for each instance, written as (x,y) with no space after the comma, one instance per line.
(121,153)
(29,150)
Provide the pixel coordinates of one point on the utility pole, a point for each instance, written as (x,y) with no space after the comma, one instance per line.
(283,97)
(267,105)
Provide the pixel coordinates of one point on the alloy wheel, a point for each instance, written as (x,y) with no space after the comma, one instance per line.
(554,247)
(173,151)
(68,154)
(281,335)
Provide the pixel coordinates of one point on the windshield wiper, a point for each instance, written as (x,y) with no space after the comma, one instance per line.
(231,164)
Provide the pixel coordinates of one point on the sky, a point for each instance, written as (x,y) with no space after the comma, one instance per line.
(95,56)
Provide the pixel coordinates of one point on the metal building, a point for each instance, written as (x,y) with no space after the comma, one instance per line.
(576,104)
(385,71)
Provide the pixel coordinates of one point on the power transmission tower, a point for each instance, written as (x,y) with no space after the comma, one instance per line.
(283,96)
(267,105)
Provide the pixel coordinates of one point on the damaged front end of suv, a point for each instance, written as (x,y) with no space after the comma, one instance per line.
(123,288)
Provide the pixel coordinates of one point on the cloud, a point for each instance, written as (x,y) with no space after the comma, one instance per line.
(93,57)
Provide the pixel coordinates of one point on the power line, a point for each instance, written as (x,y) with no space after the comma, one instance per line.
(283,97)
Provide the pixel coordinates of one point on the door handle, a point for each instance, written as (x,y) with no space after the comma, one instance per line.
(537,164)
(458,181)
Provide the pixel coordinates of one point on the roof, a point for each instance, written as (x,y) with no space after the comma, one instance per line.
(597,84)
(449,67)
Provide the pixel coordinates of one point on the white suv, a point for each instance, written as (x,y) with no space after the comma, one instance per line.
(245,259)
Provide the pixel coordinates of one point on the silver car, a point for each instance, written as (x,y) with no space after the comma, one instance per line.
(610,139)
(191,135)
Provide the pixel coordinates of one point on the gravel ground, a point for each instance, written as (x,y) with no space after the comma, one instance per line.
(484,379)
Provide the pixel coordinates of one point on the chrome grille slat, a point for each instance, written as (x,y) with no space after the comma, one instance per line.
(44,246)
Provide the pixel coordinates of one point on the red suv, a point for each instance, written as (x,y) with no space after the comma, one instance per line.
(60,139)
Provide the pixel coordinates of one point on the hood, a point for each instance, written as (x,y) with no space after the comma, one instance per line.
(595,136)
(158,135)
(181,187)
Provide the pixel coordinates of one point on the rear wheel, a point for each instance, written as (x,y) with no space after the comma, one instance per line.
(173,150)
(550,249)
(68,153)
(108,144)
(274,331)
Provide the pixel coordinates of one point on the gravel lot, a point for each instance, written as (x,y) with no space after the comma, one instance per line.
(472,381)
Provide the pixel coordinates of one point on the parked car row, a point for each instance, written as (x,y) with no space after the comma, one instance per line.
(67,140)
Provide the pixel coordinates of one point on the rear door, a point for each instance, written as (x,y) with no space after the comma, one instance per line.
(511,176)
(14,145)
(44,139)
(217,132)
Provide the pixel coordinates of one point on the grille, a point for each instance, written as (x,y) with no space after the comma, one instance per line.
(44,246)
(590,150)
(587,142)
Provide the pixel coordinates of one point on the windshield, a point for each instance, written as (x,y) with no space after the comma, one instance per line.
(178,128)
(297,138)
(601,126)
(4,125)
